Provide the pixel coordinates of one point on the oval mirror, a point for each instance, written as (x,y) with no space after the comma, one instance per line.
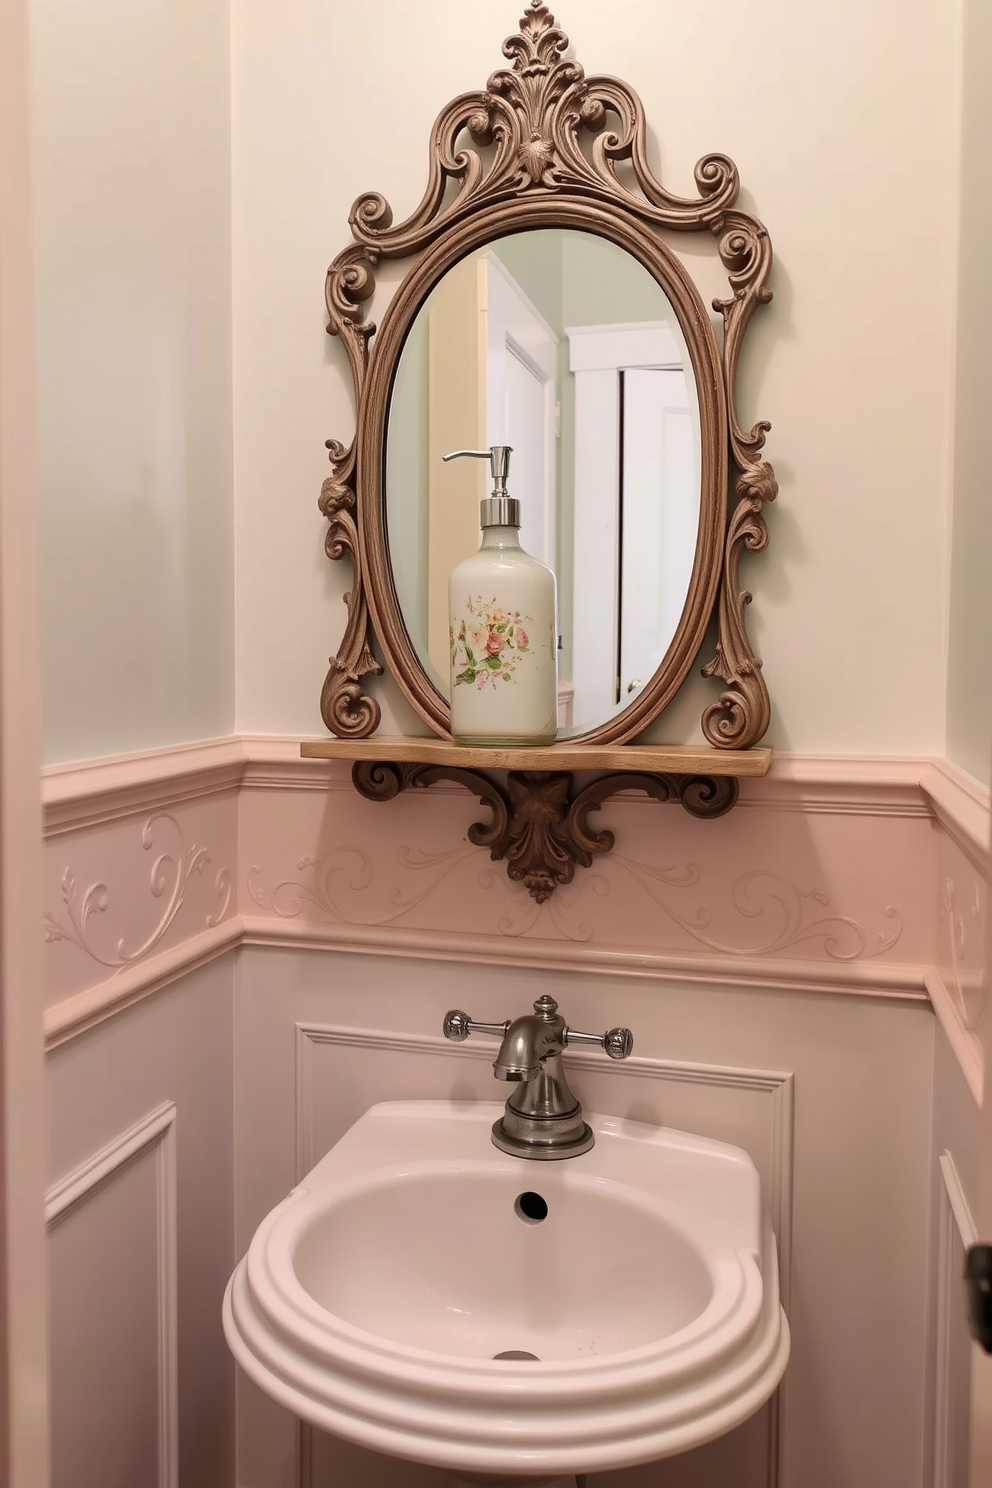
(562,345)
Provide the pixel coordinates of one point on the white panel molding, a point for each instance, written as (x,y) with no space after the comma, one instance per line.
(153,1133)
(777,1085)
(955,1233)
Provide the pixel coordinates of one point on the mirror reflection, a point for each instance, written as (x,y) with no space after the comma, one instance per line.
(562,345)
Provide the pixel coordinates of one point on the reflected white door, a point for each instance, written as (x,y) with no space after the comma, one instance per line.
(636,446)
(521,370)
(658,519)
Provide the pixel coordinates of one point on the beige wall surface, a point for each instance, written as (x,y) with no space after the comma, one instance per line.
(131,180)
(820,106)
(969,675)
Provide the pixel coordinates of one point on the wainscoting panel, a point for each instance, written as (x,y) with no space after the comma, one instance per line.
(831,1096)
(341,1071)
(955,1232)
(140,1207)
(112,1269)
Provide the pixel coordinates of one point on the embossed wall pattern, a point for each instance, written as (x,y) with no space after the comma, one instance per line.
(825,878)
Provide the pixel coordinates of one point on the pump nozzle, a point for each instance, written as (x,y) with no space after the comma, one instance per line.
(500,509)
(498,456)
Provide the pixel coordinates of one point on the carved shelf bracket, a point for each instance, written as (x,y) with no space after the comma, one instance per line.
(540,822)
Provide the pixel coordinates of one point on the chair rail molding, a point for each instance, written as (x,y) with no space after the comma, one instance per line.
(854,875)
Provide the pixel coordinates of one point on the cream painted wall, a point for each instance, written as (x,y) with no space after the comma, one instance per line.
(131,168)
(969,678)
(835,115)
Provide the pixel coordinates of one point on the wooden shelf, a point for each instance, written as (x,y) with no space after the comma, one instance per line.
(655,759)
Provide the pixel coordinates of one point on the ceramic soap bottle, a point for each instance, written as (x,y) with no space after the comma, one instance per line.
(502,607)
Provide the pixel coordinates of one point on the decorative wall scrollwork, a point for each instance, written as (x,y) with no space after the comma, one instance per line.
(963,925)
(764,915)
(171,873)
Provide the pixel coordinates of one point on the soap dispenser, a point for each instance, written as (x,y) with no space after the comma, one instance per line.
(502,607)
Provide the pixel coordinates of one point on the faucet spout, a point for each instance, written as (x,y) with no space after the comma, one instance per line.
(524,1045)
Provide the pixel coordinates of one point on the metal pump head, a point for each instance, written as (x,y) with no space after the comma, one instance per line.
(500,509)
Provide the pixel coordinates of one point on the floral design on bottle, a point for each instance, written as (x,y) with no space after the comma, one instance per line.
(487,647)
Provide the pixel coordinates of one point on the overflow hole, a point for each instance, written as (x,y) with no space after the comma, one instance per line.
(531,1208)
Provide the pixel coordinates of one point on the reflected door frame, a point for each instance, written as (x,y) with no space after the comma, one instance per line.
(597,356)
(517,334)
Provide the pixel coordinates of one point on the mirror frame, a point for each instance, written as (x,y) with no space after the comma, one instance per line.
(536,118)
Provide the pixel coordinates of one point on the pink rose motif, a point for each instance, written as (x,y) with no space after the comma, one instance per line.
(494,645)
(522,637)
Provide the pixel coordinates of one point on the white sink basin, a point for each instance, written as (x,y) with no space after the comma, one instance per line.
(375,1300)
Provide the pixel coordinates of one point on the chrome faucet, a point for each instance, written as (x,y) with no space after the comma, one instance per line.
(542,1118)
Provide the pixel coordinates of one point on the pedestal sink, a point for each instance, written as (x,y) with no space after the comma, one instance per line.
(426,1295)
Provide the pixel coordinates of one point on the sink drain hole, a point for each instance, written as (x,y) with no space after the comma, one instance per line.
(531,1208)
(517,1354)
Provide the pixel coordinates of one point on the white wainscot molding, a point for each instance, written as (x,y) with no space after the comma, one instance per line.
(112,1237)
(955,1233)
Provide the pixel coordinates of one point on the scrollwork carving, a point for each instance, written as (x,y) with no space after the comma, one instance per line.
(344,707)
(171,873)
(742,712)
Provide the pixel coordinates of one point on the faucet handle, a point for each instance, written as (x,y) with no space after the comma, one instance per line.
(458,1025)
(618,1043)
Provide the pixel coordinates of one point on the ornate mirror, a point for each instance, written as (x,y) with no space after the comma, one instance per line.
(545,308)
